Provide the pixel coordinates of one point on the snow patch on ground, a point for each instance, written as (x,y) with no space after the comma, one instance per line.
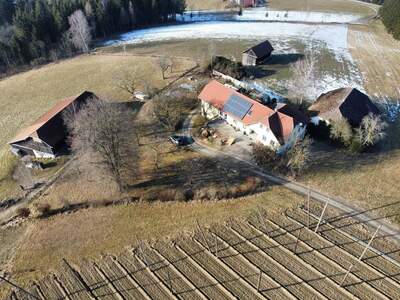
(270,16)
(335,36)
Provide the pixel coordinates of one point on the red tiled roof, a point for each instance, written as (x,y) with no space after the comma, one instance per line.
(280,123)
(31,131)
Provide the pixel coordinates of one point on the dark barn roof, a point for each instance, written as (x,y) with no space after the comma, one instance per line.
(261,50)
(348,103)
(49,128)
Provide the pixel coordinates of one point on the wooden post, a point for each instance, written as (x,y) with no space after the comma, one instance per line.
(203,235)
(345,276)
(80,279)
(320,218)
(170,282)
(297,240)
(308,207)
(259,281)
(262,221)
(369,243)
(216,245)
(18,287)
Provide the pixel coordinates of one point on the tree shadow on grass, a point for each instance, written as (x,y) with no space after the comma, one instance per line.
(283,59)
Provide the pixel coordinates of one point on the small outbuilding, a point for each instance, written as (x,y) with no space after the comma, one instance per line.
(257,54)
(347,103)
(49,133)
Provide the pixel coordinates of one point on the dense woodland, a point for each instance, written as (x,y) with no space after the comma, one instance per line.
(390,13)
(36,31)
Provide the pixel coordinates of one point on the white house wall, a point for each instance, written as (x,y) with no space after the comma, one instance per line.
(39,154)
(264,135)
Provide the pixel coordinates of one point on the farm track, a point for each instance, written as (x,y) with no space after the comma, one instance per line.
(307,272)
(200,278)
(366,278)
(282,278)
(382,267)
(261,258)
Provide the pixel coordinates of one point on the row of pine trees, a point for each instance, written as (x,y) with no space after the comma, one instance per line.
(35,31)
(390,14)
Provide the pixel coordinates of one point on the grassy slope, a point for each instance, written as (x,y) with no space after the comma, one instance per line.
(24,97)
(89,233)
(321,5)
(369,179)
(205,4)
(299,5)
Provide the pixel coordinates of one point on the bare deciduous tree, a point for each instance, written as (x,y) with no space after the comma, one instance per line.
(164,64)
(106,131)
(80,31)
(299,156)
(371,130)
(303,85)
(127,81)
(212,52)
(169,110)
(24,177)
(341,130)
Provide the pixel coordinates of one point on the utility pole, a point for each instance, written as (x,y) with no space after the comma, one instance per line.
(320,218)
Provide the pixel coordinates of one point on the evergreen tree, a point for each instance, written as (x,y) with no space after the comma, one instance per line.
(390,13)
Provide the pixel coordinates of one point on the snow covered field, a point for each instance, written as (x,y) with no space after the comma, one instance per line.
(327,41)
(334,36)
(270,16)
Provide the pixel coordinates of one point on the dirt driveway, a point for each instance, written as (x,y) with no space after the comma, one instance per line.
(243,144)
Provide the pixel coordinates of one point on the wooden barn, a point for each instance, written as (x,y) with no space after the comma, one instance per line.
(257,54)
(347,103)
(48,134)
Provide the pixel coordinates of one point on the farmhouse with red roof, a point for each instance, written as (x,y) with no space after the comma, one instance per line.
(271,127)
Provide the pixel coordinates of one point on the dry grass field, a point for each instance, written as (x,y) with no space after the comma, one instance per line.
(377,55)
(344,6)
(368,179)
(255,254)
(91,232)
(24,97)
(205,4)
(298,5)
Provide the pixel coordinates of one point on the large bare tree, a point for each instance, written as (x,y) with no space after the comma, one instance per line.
(164,63)
(128,81)
(303,84)
(170,109)
(80,31)
(105,131)
(371,130)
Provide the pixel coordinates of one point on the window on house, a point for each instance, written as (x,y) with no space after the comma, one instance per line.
(264,138)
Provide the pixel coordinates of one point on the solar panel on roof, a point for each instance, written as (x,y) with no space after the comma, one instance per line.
(237,106)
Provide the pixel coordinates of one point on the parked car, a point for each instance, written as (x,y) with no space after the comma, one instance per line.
(181,140)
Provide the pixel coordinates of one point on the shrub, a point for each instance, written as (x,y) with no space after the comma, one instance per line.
(390,13)
(180,196)
(341,131)
(43,209)
(202,194)
(23,212)
(228,67)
